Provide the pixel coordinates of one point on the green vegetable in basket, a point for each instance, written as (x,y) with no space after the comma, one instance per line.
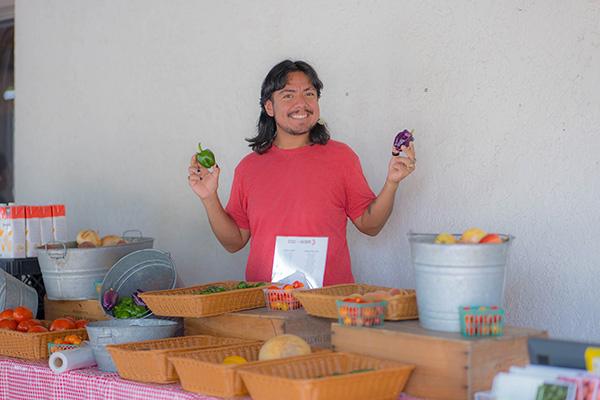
(126,308)
(247,285)
(212,289)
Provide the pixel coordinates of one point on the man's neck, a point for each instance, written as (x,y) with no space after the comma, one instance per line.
(286,141)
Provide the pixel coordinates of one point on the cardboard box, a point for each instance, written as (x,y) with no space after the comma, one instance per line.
(448,365)
(263,324)
(79,309)
(59,223)
(46,225)
(33,235)
(12,232)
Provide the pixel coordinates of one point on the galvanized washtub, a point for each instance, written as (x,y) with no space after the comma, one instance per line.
(118,331)
(452,275)
(71,273)
(14,293)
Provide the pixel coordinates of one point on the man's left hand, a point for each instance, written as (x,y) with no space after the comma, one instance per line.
(402,166)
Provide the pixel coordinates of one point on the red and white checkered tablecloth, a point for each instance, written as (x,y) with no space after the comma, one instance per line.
(33,380)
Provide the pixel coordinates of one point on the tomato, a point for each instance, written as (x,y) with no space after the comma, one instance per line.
(62,324)
(8,313)
(25,325)
(297,284)
(273,287)
(358,300)
(9,324)
(37,329)
(81,323)
(22,314)
(72,339)
(288,287)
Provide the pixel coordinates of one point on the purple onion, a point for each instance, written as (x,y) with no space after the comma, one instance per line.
(137,299)
(403,139)
(109,299)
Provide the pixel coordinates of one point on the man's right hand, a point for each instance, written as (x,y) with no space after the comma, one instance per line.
(202,181)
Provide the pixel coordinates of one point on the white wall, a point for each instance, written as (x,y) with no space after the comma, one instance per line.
(112,98)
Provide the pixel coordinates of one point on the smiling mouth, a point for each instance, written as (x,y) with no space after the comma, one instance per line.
(303,115)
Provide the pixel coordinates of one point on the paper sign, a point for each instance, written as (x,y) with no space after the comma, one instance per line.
(300,254)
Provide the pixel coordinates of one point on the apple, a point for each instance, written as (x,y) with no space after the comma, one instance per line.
(472,235)
(491,238)
(445,238)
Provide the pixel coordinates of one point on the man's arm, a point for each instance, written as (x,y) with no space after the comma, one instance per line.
(224,227)
(377,213)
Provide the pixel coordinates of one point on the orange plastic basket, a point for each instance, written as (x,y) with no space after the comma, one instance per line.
(204,372)
(326,376)
(321,302)
(186,302)
(147,361)
(32,346)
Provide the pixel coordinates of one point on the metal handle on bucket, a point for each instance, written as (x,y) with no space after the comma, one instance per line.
(55,255)
(139,234)
(102,338)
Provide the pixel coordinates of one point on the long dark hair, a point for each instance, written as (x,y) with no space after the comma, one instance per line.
(275,80)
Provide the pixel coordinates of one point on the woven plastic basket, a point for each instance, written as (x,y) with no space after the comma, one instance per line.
(326,376)
(321,302)
(32,346)
(147,361)
(186,302)
(204,372)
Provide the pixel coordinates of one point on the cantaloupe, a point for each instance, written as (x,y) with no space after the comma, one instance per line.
(283,346)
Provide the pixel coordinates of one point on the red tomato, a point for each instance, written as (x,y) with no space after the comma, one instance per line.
(8,313)
(288,287)
(62,324)
(37,329)
(22,314)
(297,284)
(81,323)
(25,325)
(273,287)
(9,324)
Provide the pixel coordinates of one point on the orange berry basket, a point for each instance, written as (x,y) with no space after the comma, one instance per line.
(361,314)
(281,299)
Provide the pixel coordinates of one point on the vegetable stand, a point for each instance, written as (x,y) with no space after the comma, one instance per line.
(32,380)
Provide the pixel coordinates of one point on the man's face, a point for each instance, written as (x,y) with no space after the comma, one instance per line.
(296,106)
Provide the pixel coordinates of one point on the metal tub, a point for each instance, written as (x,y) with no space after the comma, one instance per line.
(452,275)
(118,331)
(14,293)
(71,273)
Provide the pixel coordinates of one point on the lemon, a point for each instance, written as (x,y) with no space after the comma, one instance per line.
(230,360)
(445,238)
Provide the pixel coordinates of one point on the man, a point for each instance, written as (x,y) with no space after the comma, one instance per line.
(297,182)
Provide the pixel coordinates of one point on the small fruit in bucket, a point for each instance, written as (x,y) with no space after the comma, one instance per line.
(491,238)
(445,238)
(472,235)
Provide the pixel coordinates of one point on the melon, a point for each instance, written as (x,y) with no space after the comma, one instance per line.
(283,346)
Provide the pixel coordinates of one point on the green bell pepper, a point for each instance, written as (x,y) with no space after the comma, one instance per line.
(205,157)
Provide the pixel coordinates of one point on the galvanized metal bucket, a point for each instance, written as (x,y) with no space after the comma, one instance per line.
(71,273)
(452,275)
(14,293)
(118,331)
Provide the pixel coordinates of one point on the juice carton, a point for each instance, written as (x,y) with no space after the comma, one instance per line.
(46,224)
(59,222)
(33,234)
(12,232)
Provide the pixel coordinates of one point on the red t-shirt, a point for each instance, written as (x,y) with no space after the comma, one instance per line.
(308,191)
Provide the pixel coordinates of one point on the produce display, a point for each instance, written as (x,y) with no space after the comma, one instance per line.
(283,346)
(89,239)
(471,235)
(21,319)
(125,307)
(280,297)
(219,288)
(402,139)
(205,157)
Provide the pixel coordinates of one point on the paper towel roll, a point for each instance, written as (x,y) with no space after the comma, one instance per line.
(67,360)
